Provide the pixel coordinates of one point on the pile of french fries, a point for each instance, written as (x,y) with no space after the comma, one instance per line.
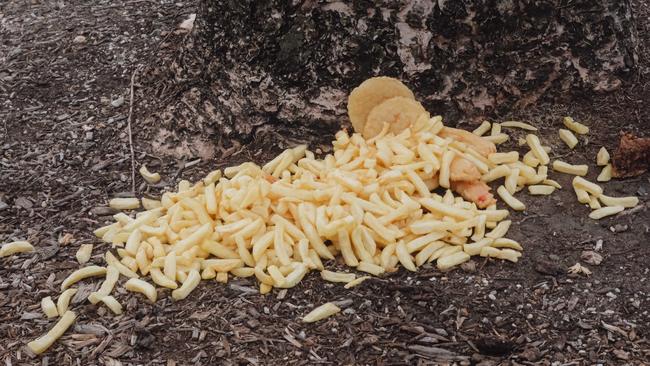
(371,201)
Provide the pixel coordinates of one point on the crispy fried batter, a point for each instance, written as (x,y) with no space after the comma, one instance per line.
(476,191)
(463,170)
(479,144)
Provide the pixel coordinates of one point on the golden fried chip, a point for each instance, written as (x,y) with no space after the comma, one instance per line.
(399,112)
(370,94)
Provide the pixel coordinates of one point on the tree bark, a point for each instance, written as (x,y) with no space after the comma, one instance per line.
(291,64)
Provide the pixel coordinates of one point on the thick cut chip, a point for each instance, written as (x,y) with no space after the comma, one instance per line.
(370,94)
(399,112)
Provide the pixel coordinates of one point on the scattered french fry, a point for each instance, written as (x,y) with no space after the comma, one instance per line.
(15,247)
(124,203)
(605,174)
(356,282)
(63,301)
(568,137)
(337,276)
(324,311)
(518,124)
(605,211)
(574,126)
(143,287)
(151,178)
(193,279)
(482,129)
(452,260)
(602,158)
(541,190)
(48,307)
(83,253)
(41,344)
(626,202)
(112,304)
(510,200)
(537,149)
(80,274)
(563,167)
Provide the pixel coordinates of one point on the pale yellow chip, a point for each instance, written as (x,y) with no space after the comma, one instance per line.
(371,93)
(399,112)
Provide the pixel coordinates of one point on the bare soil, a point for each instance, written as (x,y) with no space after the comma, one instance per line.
(64,151)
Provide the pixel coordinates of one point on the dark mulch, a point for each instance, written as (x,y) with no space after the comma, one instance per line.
(64,150)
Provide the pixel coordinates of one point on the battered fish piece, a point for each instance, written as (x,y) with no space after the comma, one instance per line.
(463,170)
(479,144)
(474,191)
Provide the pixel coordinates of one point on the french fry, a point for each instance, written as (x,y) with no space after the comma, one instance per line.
(574,126)
(562,167)
(506,243)
(63,301)
(569,138)
(145,288)
(80,274)
(503,158)
(112,261)
(151,178)
(594,204)
(602,158)
(582,195)
(500,230)
(537,149)
(243,272)
(595,189)
(551,182)
(475,248)
(15,247)
(295,276)
(626,202)
(497,139)
(510,200)
(337,276)
(404,257)
(447,262)
(482,129)
(540,190)
(530,159)
(48,307)
(496,173)
(509,254)
(41,344)
(112,275)
(112,304)
(322,312)
(605,211)
(160,279)
(371,268)
(355,282)
(605,174)
(124,203)
(444,174)
(490,252)
(518,124)
(83,253)
(511,180)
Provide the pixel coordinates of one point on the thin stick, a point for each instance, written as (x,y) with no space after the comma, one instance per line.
(131,133)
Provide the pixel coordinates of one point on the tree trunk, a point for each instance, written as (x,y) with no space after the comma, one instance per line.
(288,66)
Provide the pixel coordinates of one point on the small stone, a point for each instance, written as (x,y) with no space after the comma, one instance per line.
(79,39)
(553,257)
(599,245)
(621,354)
(591,257)
(23,202)
(117,102)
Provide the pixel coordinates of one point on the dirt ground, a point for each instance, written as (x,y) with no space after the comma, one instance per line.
(64,151)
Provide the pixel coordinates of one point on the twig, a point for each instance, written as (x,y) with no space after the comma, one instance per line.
(129,119)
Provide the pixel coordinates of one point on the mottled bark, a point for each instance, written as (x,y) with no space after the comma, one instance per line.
(291,64)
